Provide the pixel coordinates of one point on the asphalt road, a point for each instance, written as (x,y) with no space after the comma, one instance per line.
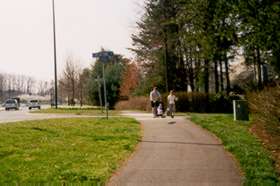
(23,114)
(177,152)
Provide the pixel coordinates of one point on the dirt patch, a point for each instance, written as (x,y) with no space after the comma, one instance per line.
(272,143)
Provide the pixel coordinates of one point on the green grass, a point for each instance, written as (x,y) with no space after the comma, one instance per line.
(65,150)
(254,160)
(75,111)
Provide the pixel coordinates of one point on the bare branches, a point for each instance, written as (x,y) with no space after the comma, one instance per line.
(72,84)
(13,85)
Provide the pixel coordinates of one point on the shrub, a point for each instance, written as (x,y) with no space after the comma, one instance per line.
(221,103)
(187,102)
(265,108)
(134,103)
(202,102)
(199,102)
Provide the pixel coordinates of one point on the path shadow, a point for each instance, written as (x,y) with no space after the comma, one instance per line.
(172,122)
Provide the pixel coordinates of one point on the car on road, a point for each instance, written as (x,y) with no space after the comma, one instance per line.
(11,104)
(34,104)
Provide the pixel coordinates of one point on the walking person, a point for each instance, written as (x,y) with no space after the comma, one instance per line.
(171,99)
(155,98)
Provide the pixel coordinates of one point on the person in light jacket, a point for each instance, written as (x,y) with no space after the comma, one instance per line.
(155,98)
(171,99)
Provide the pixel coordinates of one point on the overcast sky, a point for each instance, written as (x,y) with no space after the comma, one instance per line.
(83,27)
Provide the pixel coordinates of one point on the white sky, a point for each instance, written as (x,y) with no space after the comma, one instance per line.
(83,27)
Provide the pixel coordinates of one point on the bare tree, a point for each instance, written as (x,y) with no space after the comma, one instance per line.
(2,87)
(43,88)
(22,83)
(30,83)
(19,81)
(68,82)
(12,85)
(82,84)
(9,85)
(47,88)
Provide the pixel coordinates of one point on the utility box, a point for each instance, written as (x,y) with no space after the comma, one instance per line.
(240,110)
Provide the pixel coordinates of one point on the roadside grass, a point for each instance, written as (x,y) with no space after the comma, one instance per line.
(254,160)
(75,111)
(65,151)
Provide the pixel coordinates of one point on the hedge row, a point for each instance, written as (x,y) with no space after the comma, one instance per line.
(202,102)
(187,102)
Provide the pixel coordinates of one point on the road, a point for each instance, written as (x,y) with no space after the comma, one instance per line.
(23,114)
(177,152)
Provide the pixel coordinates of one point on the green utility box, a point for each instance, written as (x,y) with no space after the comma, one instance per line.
(240,110)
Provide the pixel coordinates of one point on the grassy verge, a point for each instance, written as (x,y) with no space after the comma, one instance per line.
(254,160)
(65,150)
(75,111)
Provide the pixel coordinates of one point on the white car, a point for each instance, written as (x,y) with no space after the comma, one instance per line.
(11,104)
(34,104)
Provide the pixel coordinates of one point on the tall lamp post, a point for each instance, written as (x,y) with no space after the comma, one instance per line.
(99,93)
(55,66)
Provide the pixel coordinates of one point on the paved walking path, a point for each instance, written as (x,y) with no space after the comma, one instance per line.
(176,152)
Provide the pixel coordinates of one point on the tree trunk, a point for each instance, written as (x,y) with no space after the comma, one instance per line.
(221,75)
(182,70)
(81,96)
(197,72)
(255,67)
(73,93)
(191,78)
(227,73)
(206,76)
(216,77)
(187,68)
(166,62)
(191,71)
(260,85)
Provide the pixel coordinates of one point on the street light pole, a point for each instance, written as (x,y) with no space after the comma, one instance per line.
(105,91)
(99,93)
(55,66)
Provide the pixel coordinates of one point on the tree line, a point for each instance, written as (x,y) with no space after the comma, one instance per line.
(78,85)
(82,86)
(12,85)
(189,44)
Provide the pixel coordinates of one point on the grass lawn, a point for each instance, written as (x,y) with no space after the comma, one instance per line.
(75,111)
(254,160)
(65,150)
